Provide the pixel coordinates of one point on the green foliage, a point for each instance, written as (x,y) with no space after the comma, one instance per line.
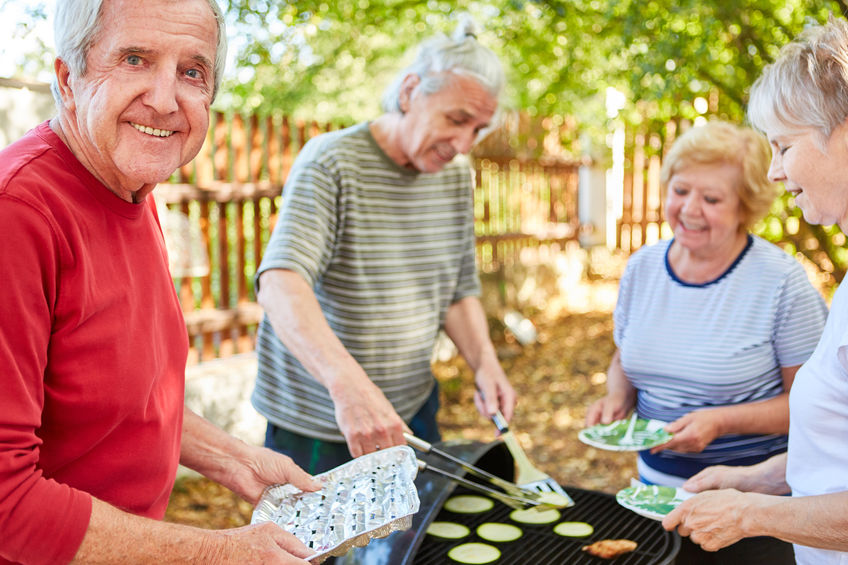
(327,60)
(824,246)
(330,61)
(26,50)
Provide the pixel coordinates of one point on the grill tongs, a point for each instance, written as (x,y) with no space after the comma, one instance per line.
(514,497)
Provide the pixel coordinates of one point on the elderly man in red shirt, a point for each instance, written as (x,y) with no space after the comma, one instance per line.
(92,340)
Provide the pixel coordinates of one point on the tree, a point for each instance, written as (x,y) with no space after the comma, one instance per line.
(672,59)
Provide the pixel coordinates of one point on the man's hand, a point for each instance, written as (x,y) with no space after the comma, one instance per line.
(366,418)
(364,415)
(264,467)
(259,543)
(115,536)
(493,391)
(468,328)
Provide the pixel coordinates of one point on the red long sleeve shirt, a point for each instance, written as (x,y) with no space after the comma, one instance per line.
(92,353)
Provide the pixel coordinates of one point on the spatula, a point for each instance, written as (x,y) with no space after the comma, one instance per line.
(527,475)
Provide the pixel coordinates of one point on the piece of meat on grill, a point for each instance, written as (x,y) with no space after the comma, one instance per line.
(609,548)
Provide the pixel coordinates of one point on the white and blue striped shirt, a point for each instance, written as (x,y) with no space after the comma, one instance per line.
(690,346)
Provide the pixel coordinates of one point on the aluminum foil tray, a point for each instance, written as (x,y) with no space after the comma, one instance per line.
(369,497)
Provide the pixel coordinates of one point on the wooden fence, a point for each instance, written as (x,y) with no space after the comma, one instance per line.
(230,193)
(642,219)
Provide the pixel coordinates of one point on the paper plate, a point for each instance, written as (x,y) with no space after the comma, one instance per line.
(652,501)
(646,434)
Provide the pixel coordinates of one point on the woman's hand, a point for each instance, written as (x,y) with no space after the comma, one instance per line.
(693,432)
(608,409)
(620,398)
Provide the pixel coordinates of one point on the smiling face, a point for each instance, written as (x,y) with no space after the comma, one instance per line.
(702,208)
(436,127)
(814,171)
(142,108)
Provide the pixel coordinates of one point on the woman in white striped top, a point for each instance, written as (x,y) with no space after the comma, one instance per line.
(712,325)
(800,102)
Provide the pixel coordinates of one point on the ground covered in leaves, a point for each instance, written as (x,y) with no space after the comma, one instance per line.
(556,379)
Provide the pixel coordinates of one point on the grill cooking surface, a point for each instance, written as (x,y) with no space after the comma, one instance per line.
(540,544)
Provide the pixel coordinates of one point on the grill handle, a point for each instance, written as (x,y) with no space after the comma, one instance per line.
(511,501)
(511,488)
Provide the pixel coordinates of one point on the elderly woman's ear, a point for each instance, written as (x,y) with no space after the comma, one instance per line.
(407,87)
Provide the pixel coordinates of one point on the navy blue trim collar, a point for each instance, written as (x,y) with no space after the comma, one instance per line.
(674,277)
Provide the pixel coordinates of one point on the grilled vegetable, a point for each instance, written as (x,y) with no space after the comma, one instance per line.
(609,548)
(448,530)
(554,499)
(574,529)
(474,553)
(533,516)
(469,504)
(492,531)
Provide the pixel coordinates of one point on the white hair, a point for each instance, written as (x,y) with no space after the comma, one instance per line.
(461,54)
(77,23)
(807,86)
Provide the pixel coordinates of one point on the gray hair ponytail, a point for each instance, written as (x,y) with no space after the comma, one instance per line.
(460,54)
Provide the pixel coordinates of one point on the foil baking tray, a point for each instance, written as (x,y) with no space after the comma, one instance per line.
(369,497)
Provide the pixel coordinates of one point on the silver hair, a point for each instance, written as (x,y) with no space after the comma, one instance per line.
(77,23)
(460,54)
(807,86)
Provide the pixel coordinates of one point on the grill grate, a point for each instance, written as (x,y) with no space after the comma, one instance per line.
(540,544)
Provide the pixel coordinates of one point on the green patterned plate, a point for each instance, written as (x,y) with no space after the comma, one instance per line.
(613,437)
(652,501)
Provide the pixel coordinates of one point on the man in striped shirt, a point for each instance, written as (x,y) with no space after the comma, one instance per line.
(372,255)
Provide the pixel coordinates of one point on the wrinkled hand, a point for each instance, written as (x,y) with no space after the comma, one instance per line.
(712,519)
(608,409)
(493,391)
(266,467)
(693,432)
(367,419)
(264,543)
(718,477)
(764,478)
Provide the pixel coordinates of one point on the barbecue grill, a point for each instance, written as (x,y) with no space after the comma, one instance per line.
(539,544)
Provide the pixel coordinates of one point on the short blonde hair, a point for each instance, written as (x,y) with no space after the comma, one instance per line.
(807,86)
(721,142)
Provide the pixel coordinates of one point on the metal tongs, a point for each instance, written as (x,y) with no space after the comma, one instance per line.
(514,496)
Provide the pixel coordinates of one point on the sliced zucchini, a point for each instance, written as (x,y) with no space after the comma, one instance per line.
(554,499)
(574,529)
(474,553)
(469,504)
(496,532)
(448,530)
(533,516)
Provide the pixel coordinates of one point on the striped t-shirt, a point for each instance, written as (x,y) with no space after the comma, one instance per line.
(690,346)
(386,250)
